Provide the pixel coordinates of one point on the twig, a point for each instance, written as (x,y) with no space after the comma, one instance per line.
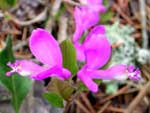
(23,56)
(146,68)
(72,2)
(118,9)
(62,33)
(77,109)
(52,12)
(133,84)
(121,91)
(143,22)
(117,44)
(39,18)
(132,90)
(20,44)
(87,103)
(67,106)
(70,102)
(138,98)
(146,72)
(56,6)
(104,107)
(116,110)
(12,31)
(81,106)
(24,35)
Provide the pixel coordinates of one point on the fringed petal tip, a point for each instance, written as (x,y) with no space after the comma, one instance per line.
(9,73)
(134,73)
(24,68)
(15,68)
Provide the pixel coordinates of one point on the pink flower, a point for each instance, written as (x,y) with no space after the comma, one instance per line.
(46,49)
(96,51)
(98,31)
(87,16)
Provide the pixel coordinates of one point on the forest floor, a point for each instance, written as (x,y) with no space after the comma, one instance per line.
(57,17)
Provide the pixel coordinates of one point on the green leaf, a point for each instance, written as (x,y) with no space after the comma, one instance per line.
(17,85)
(4,4)
(98,81)
(11,2)
(69,56)
(54,99)
(62,88)
(106,3)
(82,87)
(106,16)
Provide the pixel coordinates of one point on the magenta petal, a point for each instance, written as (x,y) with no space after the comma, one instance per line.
(98,8)
(117,72)
(51,72)
(79,52)
(55,71)
(24,68)
(95,1)
(84,19)
(77,34)
(95,5)
(91,2)
(45,48)
(89,83)
(66,73)
(92,86)
(97,51)
(96,31)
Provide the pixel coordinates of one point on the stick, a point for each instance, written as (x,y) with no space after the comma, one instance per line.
(87,103)
(39,18)
(138,98)
(82,107)
(143,23)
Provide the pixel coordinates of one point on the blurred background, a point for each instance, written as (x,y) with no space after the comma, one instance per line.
(128,30)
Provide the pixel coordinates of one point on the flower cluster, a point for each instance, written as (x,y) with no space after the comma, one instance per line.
(94,51)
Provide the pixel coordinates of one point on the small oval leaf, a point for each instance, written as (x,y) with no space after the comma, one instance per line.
(69,56)
(55,99)
(63,88)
